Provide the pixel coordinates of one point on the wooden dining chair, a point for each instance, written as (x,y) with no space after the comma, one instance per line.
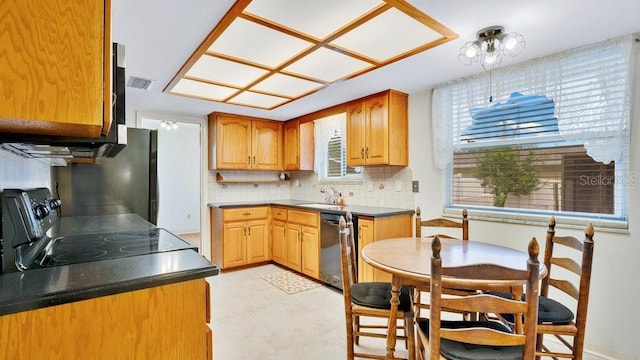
(555,318)
(446,339)
(370,299)
(463,225)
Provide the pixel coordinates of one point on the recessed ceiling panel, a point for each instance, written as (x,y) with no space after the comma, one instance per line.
(202,90)
(250,98)
(267,53)
(315,18)
(225,72)
(388,35)
(286,85)
(327,65)
(258,44)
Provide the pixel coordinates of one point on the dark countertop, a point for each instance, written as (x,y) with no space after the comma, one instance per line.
(38,288)
(42,287)
(356,210)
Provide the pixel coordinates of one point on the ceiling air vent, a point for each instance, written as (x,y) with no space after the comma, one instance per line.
(139,83)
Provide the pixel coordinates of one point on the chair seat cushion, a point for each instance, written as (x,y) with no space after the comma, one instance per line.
(553,312)
(549,311)
(378,295)
(456,350)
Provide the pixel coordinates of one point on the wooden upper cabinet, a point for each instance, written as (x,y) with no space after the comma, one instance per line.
(356,134)
(378,129)
(243,143)
(298,145)
(266,145)
(55,67)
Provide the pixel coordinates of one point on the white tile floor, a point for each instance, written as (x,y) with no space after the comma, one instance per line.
(252,319)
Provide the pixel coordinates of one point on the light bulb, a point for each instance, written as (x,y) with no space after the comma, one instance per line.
(510,42)
(163,124)
(174,125)
(490,57)
(471,51)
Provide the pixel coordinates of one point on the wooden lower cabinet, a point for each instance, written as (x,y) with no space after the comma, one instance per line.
(240,236)
(163,322)
(279,235)
(379,228)
(301,242)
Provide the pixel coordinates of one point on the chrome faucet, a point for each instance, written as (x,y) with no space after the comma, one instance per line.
(330,198)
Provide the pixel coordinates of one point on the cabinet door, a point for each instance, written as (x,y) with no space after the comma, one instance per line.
(278,242)
(377,131)
(310,252)
(257,241)
(55,67)
(233,142)
(291,145)
(234,247)
(294,252)
(365,237)
(266,146)
(356,125)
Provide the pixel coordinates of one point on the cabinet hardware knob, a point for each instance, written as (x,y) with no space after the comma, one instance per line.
(249,159)
(361,153)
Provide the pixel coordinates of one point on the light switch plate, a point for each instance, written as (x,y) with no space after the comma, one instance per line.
(415,187)
(398,185)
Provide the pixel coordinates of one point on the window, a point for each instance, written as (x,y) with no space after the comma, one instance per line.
(330,154)
(554,142)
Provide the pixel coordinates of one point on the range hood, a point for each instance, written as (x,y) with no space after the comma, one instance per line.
(66,148)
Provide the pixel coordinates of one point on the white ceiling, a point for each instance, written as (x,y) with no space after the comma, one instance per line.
(160,35)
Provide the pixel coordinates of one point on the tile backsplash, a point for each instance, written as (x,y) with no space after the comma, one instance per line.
(22,173)
(381,186)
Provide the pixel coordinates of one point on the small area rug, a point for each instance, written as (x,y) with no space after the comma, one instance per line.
(289,282)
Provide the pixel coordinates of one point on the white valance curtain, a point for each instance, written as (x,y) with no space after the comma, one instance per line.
(589,85)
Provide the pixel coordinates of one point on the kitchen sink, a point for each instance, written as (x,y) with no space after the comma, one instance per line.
(323,206)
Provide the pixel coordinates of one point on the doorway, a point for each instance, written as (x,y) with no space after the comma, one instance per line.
(180,172)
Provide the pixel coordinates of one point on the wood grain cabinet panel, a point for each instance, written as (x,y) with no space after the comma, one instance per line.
(298,145)
(55,67)
(244,143)
(244,236)
(279,235)
(379,228)
(303,242)
(164,322)
(378,129)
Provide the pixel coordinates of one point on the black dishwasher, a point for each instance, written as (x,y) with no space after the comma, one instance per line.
(330,263)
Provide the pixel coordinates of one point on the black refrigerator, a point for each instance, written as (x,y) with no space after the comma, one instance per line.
(126,183)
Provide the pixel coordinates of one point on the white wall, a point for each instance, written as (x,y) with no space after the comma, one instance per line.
(613,313)
(178,176)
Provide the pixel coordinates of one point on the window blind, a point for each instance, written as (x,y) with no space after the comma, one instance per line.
(566,115)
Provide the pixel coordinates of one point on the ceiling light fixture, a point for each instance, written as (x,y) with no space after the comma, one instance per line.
(491,43)
(169,125)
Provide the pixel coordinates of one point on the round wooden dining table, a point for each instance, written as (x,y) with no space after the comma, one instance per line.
(408,260)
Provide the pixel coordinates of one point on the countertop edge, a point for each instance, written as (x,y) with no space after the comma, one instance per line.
(356,210)
(93,288)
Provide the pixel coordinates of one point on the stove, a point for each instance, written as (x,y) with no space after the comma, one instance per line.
(35,236)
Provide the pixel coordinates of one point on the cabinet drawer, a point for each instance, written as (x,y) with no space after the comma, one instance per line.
(278,214)
(303,218)
(249,213)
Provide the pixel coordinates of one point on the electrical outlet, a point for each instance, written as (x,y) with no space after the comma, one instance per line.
(370,186)
(398,185)
(415,186)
